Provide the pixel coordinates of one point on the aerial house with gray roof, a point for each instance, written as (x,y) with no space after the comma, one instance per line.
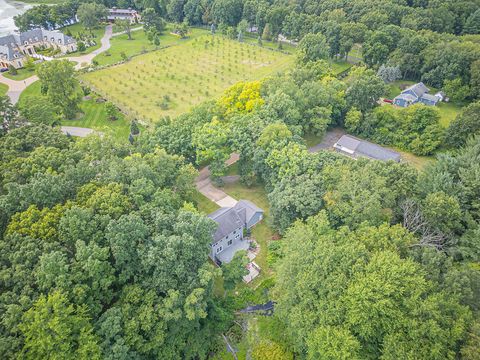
(229,236)
(15,48)
(358,148)
(417,93)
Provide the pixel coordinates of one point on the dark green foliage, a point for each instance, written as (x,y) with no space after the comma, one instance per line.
(91,238)
(466,124)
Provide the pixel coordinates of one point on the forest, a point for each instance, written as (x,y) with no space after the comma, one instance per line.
(104,248)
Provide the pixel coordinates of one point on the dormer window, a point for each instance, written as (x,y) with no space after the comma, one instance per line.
(25,42)
(59,41)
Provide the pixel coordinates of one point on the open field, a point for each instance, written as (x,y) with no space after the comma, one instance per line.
(140,44)
(171,81)
(93,116)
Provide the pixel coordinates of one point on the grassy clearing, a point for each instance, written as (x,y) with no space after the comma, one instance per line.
(140,44)
(204,205)
(22,74)
(171,81)
(3,89)
(93,116)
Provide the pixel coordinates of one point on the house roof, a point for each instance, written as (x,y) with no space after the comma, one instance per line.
(9,43)
(231,218)
(353,145)
(406,97)
(418,89)
(430,97)
(227,219)
(246,210)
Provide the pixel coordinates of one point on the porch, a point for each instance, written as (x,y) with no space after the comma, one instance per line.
(227,255)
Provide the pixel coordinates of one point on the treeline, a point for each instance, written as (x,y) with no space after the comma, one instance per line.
(102,254)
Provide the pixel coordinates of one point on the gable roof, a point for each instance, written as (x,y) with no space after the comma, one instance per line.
(232,218)
(353,145)
(227,220)
(418,89)
(429,97)
(406,97)
(246,210)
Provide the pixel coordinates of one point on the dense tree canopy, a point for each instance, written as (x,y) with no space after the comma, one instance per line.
(93,236)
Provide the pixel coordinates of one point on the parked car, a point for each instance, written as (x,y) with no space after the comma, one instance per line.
(3,69)
(388,101)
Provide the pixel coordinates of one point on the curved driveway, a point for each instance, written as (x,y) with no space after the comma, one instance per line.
(15,87)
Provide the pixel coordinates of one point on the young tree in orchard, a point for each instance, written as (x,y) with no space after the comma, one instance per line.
(126,26)
(90,14)
(60,85)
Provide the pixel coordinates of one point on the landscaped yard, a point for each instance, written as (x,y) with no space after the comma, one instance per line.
(170,81)
(93,116)
(75,29)
(22,74)
(139,44)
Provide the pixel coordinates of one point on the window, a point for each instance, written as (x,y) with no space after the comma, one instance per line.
(230,242)
(234,231)
(237,236)
(220,248)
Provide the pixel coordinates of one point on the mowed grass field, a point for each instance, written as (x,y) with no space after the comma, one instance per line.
(170,81)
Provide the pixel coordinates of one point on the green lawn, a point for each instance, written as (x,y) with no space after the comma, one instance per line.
(339,66)
(75,29)
(140,44)
(3,89)
(185,75)
(93,116)
(22,74)
(204,205)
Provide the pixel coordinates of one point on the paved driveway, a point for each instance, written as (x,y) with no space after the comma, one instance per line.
(15,87)
(330,138)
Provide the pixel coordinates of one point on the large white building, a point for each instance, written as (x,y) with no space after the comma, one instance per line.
(123,14)
(15,48)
